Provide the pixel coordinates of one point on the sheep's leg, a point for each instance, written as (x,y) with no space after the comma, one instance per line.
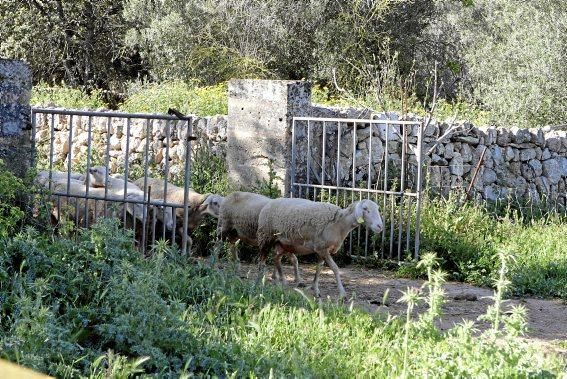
(295,263)
(316,280)
(335,268)
(278,264)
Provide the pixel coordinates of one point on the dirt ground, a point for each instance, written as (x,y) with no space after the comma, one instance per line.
(547,319)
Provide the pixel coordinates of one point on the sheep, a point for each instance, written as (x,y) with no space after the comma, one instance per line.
(98,177)
(42,177)
(75,187)
(199,204)
(304,227)
(238,220)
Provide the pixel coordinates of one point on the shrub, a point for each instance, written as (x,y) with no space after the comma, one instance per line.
(185,97)
(12,191)
(66,97)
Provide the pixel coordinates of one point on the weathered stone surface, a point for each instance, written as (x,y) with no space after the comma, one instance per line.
(16,145)
(259,128)
(489,176)
(536,167)
(466,153)
(527,154)
(467,139)
(552,170)
(553,142)
(520,135)
(503,137)
(456,165)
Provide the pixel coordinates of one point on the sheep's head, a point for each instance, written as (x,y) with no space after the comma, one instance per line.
(367,212)
(212,205)
(97,176)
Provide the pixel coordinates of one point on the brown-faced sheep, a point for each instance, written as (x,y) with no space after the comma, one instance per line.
(199,204)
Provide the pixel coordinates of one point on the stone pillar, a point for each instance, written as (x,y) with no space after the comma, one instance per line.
(15,125)
(260,114)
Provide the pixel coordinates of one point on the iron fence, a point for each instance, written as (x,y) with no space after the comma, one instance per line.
(54,151)
(342,160)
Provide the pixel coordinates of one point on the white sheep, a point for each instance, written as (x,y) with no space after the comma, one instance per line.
(238,220)
(306,227)
(78,204)
(98,177)
(42,177)
(199,204)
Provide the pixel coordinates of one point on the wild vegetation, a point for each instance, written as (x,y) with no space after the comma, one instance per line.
(94,307)
(381,53)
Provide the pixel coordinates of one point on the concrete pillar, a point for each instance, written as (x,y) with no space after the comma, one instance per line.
(15,124)
(260,114)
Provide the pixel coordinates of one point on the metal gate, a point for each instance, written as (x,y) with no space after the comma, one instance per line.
(124,143)
(341,160)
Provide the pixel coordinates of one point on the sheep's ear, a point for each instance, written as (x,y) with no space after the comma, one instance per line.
(358,213)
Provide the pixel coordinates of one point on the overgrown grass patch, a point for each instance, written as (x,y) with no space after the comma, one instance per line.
(466,236)
(188,98)
(94,305)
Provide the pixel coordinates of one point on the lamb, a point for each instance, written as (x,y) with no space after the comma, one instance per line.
(303,227)
(199,204)
(238,220)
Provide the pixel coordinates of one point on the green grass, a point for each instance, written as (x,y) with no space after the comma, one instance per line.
(467,235)
(86,307)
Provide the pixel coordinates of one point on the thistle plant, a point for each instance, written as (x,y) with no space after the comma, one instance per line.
(516,321)
(435,280)
(411,298)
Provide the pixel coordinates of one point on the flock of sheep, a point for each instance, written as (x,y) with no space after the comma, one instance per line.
(291,226)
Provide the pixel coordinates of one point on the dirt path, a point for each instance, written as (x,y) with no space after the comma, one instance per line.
(547,319)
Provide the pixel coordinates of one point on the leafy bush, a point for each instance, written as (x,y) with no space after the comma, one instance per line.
(94,306)
(66,97)
(185,97)
(12,190)
(508,56)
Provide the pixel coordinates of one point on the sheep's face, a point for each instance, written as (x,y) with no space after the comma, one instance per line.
(97,176)
(368,213)
(212,205)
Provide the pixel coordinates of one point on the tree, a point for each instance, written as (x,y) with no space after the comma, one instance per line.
(76,42)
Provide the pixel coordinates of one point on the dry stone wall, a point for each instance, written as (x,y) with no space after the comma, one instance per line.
(165,141)
(517,163)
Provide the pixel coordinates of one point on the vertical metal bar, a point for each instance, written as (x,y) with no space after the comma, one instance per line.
(87,180)
(186,188)
(408,215)
(392,203)
(338,179)
(126,166)
(107,161)
(147,205)
(33,138)
(368,181)
(51,143)
(166,177)
(402,189)
(385,187)
(353,179)
(293,158)
(70,152)
(308,176)
(419,190)
(324,146)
